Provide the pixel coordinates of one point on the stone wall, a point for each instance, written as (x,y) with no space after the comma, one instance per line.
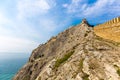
(109,30)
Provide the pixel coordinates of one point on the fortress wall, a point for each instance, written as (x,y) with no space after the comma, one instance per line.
(109,30)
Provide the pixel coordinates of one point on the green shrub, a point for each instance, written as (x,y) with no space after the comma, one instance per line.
(81,64)
(118,71)
(39,78)
(27,77)
(62,60)
(86,34)
(85,77)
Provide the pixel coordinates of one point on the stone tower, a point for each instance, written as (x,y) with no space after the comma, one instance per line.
(84,21)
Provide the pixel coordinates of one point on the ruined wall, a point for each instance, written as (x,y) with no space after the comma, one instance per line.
(109,30)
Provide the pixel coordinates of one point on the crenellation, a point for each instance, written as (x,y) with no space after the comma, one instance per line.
(117,19)
(109,22)
(109,30)
(114,20)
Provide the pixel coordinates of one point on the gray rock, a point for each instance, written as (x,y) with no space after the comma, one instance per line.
(75,54)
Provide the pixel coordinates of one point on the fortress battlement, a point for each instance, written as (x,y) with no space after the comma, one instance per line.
(111,23)
(109,30)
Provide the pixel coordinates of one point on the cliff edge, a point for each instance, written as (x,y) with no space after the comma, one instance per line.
(75,54)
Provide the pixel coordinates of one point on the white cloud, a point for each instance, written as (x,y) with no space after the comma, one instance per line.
(48,25)
(65,5)
(100,7)
(27,8)
(4,19)
(75,6)
(4,22)
(96,9)
(19,34)
(13,44)
(11,27)
(16,36)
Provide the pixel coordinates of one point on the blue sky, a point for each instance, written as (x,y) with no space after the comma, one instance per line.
(24,24)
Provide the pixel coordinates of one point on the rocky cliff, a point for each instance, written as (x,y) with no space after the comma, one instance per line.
(75,54)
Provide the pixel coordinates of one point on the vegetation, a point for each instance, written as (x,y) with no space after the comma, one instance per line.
(39,78)
(27,77)
(86,34)
(85,77)
(39,56)
(76,46)
(118,71)
(80,68)
(62,60)
(81,64)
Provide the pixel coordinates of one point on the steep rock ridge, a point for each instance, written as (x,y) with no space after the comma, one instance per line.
(56,46)
(109,30)
(75,54)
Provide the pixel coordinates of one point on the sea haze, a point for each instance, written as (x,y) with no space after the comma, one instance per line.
(10,63)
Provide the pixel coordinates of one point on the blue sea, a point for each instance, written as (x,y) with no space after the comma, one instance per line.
(10,65)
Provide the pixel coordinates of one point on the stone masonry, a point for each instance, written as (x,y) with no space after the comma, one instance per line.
(109,30)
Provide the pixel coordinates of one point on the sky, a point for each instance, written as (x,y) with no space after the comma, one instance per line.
(25,24)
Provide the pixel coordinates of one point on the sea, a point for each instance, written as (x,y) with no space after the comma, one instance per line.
(11,63)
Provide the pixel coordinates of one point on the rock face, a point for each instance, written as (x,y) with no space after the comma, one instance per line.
(75,54)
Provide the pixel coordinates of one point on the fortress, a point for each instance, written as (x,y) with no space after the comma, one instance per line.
(109,30)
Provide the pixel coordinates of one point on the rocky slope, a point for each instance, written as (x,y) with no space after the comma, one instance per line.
(75,54)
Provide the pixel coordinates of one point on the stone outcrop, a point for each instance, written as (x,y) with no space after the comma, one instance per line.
(75,54)
(109,30)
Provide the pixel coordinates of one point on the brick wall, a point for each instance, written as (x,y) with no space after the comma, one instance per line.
(109,30)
